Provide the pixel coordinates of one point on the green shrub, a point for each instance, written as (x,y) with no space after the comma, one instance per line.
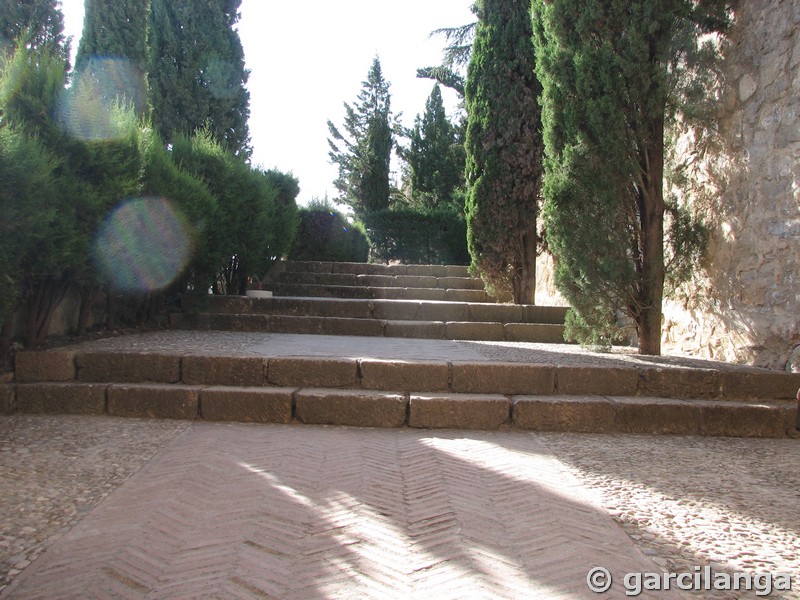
(323,233)
(413,236)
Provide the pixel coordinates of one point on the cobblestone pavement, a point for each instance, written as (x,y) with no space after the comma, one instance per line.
(684,502)
(223,343)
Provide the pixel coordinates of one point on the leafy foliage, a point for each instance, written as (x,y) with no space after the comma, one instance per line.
(324,234)
(196,72)
(504,150)
(363,152)
(35,24)
(409,235)
(611,74)
(435,156)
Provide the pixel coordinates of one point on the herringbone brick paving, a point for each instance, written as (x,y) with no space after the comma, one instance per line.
(240,511)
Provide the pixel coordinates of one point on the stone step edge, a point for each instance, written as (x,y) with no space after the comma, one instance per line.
(505,378)
(376,281)
(333,267)
(371,308)
(378,293)
(372,327)
(387,409)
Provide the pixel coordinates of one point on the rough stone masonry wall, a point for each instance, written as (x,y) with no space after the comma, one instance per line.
(745,304)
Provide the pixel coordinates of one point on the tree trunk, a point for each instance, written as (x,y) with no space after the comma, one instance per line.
(525,280)
(648,321)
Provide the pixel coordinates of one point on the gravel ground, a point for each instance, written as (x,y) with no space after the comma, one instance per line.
(732,504)
(729,503)
(55,469)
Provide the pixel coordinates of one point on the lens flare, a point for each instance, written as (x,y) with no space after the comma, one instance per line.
(143,245)
(88,109)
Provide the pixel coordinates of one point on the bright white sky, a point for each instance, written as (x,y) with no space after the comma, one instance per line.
(307,58)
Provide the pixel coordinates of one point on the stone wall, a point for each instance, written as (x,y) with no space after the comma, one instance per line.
(744,306)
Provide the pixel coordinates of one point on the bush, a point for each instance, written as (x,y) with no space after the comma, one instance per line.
(324,234)
(433,236)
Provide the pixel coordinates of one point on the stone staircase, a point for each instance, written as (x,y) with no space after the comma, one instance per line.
(263,360)
(411,301)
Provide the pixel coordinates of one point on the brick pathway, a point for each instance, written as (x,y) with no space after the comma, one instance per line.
(255,511)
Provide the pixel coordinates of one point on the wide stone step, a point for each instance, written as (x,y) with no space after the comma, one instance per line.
(385,408)
(393,393)
(379,281)
(398,310)
(379,293)
(371,269)
(406,328)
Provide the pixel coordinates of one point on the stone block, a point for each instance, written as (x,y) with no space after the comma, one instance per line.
(553,315)
(340,308)
(443,311)
(590,414)
(397,310)
(224,370)
(596,381)
(456,271)
(234,305)
(759,384)
(61,398)
(471,330)
(312,372)
(423,270)
(431,330)
(289,324)
(656,416)
(541,333)
(223,322)
(247,404)
(453,295)
(746,419)
(502,378)
(49,365)
(426,294)
(500,313)
(679,383)
(459,283)
(416,281)
(459,411)
(360,408)
(128,367)
(379,281)
(403,376)
(363,327)
(8,395)
(153,401)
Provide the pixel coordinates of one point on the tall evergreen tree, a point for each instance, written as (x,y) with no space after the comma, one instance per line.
(610,72)
(113,49)
(435,157)
(196,71)
(35,23)
(504,149)
(363,153)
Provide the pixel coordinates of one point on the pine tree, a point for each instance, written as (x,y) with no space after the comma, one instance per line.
(35,23)
(196,71)
(363,153)
(435,157)
(504,150)
(610,71)
(113,50)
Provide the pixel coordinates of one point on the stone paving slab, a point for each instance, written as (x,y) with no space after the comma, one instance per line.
(274,512)
(253,511)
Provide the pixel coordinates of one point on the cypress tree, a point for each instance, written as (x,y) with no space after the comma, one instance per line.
(363,153)
(35,23)
(196,72)
(504,150)
(113,49)
(610,72)
(435,159)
